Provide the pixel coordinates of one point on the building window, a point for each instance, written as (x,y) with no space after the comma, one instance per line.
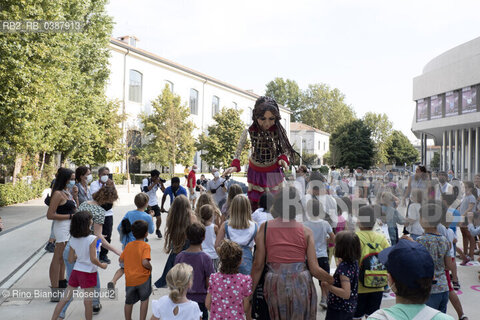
(215,105)
(234,105)
(324,146)
(193,101)
(135,88)
(169,84)
(319,145)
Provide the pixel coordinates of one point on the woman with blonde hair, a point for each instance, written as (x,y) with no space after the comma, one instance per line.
(180,216)
(240,229)
(176,305)
(206,198)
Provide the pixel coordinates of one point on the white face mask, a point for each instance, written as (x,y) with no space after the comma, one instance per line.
(89,178)
(195,170)
(216,174)
(104,179)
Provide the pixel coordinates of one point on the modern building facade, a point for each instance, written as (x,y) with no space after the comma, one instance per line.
(137,77)
(310,139)
(448,108)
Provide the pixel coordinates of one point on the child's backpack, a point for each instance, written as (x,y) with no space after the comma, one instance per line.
(373,273)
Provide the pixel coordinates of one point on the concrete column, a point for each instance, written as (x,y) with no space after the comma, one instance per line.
(450,150)
(470,146)
(421,150)
(462,161)
(477,150)
(455,155)
(443,158)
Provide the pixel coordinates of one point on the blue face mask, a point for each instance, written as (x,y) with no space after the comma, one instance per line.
(70,184)
(450,176)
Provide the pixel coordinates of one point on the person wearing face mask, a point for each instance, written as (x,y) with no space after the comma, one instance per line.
(361,183)
(95,186)
(83,178)
(191,183)
(443,186)
(217,188)
(174,190)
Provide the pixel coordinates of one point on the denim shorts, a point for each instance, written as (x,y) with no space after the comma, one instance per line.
(138,293)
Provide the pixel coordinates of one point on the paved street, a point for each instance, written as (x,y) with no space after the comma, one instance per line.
(21,248)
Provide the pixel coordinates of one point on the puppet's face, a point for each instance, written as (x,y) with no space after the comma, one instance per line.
(266,121)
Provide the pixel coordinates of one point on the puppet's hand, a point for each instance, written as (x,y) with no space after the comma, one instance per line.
(229,171)
(283,163)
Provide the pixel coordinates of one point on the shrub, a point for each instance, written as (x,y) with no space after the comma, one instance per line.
(21,191)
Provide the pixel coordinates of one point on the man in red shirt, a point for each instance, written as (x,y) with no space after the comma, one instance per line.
(191,183)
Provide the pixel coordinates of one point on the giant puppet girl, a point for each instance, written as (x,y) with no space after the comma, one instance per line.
(270,152)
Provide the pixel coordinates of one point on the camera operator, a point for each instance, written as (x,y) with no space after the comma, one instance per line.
(217,187)
(150,186)
(201,184)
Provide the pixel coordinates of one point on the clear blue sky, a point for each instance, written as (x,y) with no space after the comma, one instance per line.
(370,50)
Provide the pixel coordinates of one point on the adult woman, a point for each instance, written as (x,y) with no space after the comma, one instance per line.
(240,229)
(288,288)
(180,216)
(61,209)
(270,151)
(83,177)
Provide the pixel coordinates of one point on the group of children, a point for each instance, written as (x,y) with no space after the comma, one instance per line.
(207,276)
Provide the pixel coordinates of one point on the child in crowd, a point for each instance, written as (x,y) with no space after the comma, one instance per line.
(369,298)
(438,246)
(241,229)
(343,294)
(344,204)
(468,204)
(413,214)
(201,263)
(262,214)
(232,192)
(322,232)
(136,259)
(176,305)
(393,217)
(207,213)
(83,253)
(206,198)
(410,273)
(126,235)
(229,291)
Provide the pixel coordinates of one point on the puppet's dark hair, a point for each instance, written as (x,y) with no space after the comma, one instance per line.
(264,104)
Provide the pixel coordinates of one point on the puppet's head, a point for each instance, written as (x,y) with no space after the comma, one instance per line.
(266,113)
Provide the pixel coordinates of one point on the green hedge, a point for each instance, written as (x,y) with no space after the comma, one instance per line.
(21,191)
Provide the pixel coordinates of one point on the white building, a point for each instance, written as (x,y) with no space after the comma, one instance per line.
(310,139)
(137,77)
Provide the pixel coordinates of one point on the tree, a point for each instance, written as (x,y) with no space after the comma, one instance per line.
(435,163)
(308,159)
(381,128)
(287,93)
(168,132)
(400,150)
(52,84)
(324,108)
(352,146)
(220,143)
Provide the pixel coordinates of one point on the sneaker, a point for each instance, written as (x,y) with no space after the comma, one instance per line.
(159,234)
(323,303)
(50,247)
(97,308)
(111,290)
(105,259)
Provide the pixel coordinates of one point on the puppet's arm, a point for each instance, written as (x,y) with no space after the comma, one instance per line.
(235,166)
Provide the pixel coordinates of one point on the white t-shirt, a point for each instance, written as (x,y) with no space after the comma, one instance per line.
(260,216)
(414,213)
(449,234)
(94,187)
(82,250)
(152,194)
(208,245)
(219,194)
(329,206)
(163,309)
(321,230)
(242,236)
